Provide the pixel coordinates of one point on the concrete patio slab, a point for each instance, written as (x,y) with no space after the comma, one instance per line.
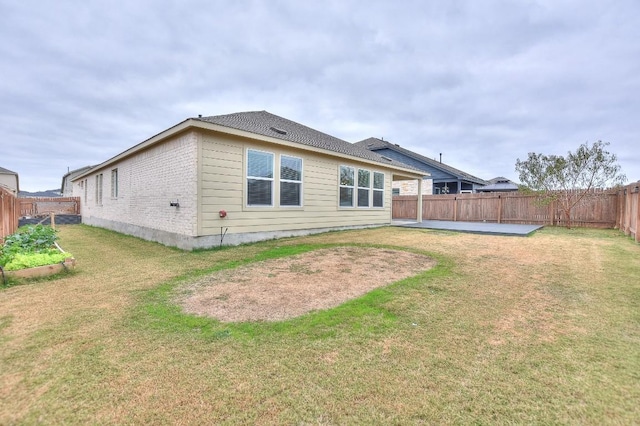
(473,227)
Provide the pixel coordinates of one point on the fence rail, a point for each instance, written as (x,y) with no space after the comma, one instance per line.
(8,213)
(42,206)
(600,209)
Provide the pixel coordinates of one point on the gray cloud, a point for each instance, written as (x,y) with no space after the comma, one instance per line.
(482,82)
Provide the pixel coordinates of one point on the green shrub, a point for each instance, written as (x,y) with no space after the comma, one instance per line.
(31,238)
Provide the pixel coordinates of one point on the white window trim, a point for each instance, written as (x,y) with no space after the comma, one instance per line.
(374,189)
(365,188)
(272,179)
(114,183)
(356,186)
(280,180)
(99,182)
(353,187)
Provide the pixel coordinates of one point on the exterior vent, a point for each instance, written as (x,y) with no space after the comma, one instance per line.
(280,131)
(386,158)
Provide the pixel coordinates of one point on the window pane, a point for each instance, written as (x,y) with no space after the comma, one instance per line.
(378,180)
(114,183)
(363,198)
(363,179)
(290,194)
(260,164)
(346,176)
(378,198)
(346,197)
(290,168)
(259,192)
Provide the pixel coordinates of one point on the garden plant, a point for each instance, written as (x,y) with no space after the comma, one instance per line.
(31,246)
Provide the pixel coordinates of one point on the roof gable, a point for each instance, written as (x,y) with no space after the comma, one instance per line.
(375,144)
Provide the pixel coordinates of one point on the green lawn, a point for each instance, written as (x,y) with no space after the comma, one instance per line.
(544,329)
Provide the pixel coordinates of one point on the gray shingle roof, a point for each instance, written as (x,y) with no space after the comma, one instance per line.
(375,144)
(500,184)
(7,171)
(267,124)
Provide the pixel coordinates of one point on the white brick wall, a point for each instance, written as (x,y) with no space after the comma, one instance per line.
(147,183)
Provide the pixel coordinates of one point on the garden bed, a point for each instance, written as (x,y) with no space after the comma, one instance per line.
(43,271)
(32,252)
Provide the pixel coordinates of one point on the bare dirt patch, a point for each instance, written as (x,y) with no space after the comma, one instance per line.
(285,288)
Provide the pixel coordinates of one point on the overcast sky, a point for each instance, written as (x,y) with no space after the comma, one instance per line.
(482,82)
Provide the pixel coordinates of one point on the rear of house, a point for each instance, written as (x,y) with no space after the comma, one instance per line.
(238,178)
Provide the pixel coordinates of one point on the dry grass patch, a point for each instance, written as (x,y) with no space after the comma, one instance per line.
(279,289)
(538,330)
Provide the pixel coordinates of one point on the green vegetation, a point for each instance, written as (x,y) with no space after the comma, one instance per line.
(31,260)
(568,180)
(543,330)
(30,246)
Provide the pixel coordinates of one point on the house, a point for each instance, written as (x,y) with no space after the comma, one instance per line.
(499,184)
(66,187)
(444,179)
(9,180)
(237,178)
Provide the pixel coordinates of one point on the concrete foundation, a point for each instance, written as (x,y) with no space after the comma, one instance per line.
(186,242)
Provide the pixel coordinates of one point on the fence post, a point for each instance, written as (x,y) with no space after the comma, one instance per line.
(638,217)
(499,209)
(53,220)
(455,209)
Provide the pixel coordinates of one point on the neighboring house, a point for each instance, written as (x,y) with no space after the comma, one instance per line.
(9,180)
(444,179)
(499,184)
(238,178)
(66,188)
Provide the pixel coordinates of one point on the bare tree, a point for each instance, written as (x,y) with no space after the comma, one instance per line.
(567,180)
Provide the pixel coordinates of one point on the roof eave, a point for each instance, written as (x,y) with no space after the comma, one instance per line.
(290,144)
(200,124)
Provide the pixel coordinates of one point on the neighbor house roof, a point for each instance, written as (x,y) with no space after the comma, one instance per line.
(7,171)
(375,144)
(4,171)
(270,128)
(73,173)
(267,124)
(498,184)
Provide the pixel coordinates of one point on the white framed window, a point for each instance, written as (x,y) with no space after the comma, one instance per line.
(364,185)
(361,188)
(99,189)
(259,178)
(378,189)
(290,181)
(347,186)
(114,183)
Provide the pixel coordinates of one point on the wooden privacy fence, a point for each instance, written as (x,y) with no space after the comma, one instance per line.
(629,210)
(8,213)
(600,210)
(42,206)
